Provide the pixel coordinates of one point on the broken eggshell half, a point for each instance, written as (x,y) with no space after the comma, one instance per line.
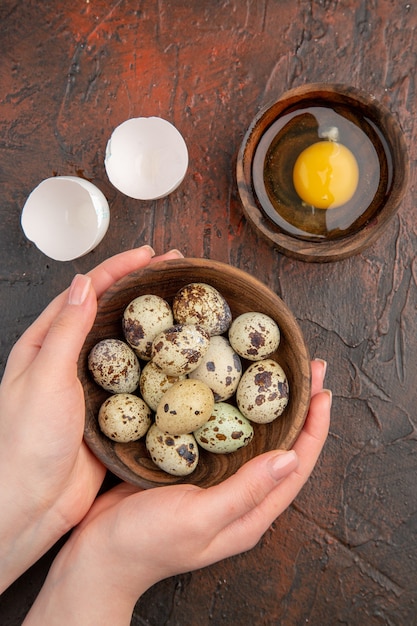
(65,217)
(146,158)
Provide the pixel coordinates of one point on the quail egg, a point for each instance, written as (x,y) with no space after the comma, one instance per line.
(184,407)
(262,393)
(225,431)
(175,454)
(180,349)
(220,368)
(143,319)
(199,303)
(114,366)
(254,336)
(154,383)
(124,417)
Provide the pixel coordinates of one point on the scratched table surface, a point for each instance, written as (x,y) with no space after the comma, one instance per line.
(345,552)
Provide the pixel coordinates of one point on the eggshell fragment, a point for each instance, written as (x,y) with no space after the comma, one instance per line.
(154,382)
(186,406)
(202,304)
(254,336)
(146,158)
(114,366)
(262,393)
(180,349)
(220,368)
(65,217)
(143,319)
(175,454)
(226,430)
(124,417)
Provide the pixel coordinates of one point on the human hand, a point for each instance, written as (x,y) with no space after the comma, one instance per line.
(130,540)
(49,477)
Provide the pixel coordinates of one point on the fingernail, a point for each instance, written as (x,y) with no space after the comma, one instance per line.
(177,253)
(148,247)
(79,289)
(282,464)
(330,394)
(324,364)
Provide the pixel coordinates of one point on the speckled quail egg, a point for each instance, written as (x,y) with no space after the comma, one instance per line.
(143,319)
(199,303)
(124,417)
(220,368)
(180,349)
(175,454)
(184,407)
(262,393)
(254,335)
(154,383)
(227,430)
(114,366)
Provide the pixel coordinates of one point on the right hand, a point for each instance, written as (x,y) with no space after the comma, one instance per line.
(131,539)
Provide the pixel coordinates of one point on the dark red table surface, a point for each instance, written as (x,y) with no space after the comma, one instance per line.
(346,551)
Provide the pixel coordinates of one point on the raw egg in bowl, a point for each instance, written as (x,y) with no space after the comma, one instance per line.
(322,171)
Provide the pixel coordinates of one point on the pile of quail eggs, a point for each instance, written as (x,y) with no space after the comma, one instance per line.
(205,378)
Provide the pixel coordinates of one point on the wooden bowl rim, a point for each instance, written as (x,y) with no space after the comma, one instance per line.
(326,250)
(131,280)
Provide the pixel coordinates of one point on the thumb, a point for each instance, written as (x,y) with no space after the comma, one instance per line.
(243,492)
(62,344)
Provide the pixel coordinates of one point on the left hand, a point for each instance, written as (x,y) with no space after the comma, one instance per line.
(49,476)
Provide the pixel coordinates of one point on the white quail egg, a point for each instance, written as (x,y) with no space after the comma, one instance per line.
(220,368)
(175,454)
(114,366)
(143,319)
(225,431)
(180,349)
(254,335)
(199,303)
(154,382)
(262,393)
(124,417)
(184,407)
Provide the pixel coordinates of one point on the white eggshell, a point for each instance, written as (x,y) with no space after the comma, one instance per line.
(124,417)
(146,158)
(220,368)
(180,349)
(202,304)
(65,217)
(254,336)
(184,407)
(175,454)
(262,393)
(114,366)
(143,319)
(154,382)
(226,430)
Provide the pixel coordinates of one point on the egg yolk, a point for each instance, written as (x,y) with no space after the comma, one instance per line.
(326,175)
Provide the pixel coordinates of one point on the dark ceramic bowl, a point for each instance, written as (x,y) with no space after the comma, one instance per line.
(274,140)
(130,461)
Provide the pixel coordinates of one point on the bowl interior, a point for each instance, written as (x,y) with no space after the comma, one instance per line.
(130,461)
(276,137)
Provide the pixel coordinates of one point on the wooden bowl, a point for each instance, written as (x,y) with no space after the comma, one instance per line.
(131,461)
(271,146)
